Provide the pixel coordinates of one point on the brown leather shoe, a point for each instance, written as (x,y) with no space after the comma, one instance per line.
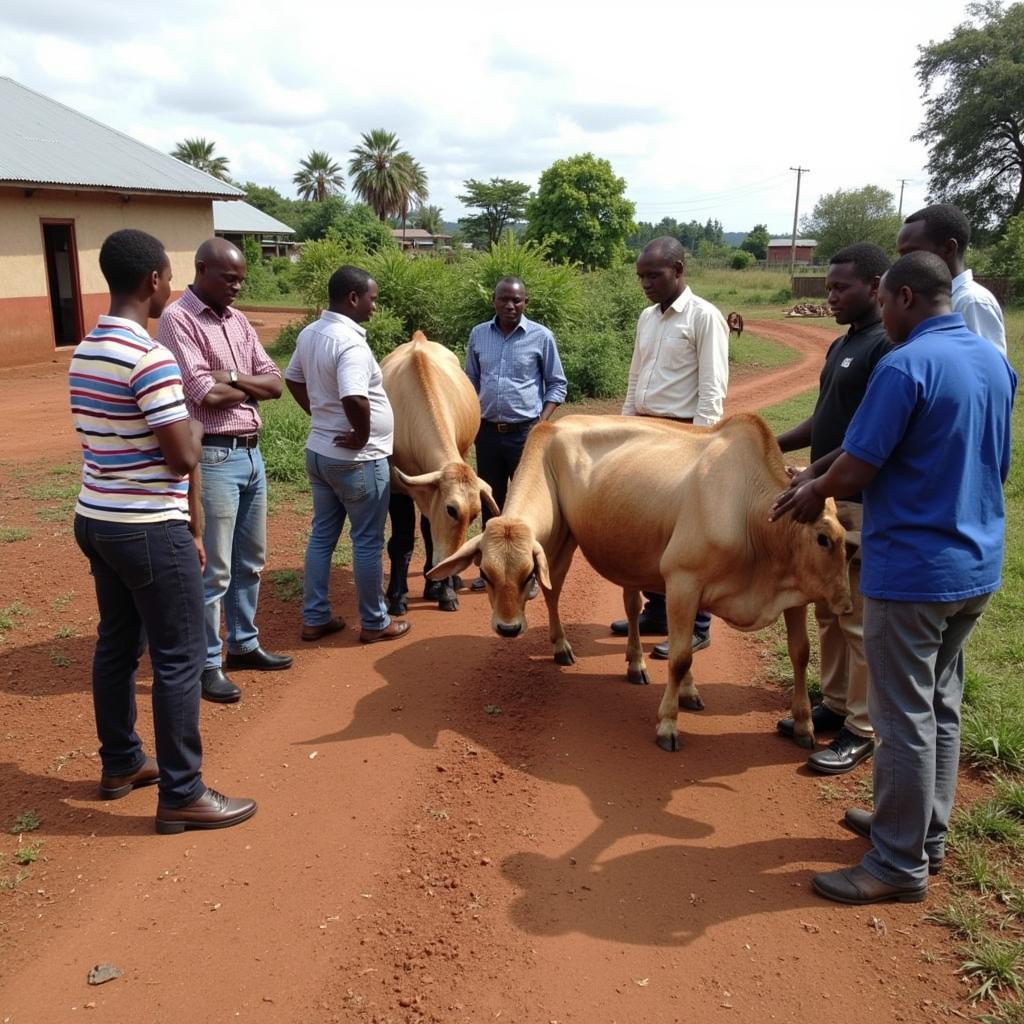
(211,810)
(392,631)
(113,787)
(859,887)
(335,625)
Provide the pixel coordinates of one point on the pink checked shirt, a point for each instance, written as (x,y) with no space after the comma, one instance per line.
(203,341)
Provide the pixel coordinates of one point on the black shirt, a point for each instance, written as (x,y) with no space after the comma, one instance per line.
(844,379)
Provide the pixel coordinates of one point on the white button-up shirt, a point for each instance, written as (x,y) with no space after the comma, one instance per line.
(979,308)
(680,366)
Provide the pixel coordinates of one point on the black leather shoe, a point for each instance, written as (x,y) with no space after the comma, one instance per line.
(259,659)
(218,688)
(858,887)
(859,821)
(649,626)
(823,719)
(843,754)
(700,641)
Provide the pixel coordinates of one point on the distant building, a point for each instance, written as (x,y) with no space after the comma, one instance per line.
(66,182)
(234,221)
(418,239)
(780,249)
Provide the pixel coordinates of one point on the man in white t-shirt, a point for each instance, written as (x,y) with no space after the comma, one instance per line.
(335,378)
(944,230)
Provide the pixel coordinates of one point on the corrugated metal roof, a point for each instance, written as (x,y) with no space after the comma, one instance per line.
(775,242)
(42,142)
(236,218)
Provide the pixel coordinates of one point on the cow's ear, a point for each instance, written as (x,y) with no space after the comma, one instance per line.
(454,564)
(540,565)
(487,498)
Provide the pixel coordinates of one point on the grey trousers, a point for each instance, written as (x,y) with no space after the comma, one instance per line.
(916,665)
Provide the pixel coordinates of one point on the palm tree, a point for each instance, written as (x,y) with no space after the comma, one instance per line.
(428,218)
(199,153)
(318,176)
(385,177)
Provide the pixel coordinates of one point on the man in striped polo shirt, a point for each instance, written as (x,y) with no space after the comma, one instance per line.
(226,374)
(138,523)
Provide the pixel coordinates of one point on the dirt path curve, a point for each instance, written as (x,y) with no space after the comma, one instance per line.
(455,829)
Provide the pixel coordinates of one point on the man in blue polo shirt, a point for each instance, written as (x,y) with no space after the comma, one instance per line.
(929,447)
(514,366)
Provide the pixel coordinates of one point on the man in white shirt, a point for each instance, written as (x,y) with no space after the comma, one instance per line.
(335,378)
(680,371)
(944,230)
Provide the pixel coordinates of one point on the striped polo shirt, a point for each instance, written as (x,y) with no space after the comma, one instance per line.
(122,385)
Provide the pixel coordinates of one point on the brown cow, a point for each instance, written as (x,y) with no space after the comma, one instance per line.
(437,415)
(662,506)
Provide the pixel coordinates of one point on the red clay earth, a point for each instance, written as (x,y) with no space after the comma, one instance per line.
(451,827)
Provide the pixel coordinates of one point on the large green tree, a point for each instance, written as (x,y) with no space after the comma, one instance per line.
(581,213)
(973,85)
(270,201)
(200,153)
(428,218)
(852,215)
(318,177)
(501,202)
(756,243)
(385,176)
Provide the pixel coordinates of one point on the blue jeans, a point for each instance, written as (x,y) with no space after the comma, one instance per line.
(148,585)
(235,504)
(360,491)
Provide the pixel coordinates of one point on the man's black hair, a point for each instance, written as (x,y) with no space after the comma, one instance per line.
(943,221)
(924,273)
(346,280)
(869,260)
(509,279)
(129,256)
(667,248)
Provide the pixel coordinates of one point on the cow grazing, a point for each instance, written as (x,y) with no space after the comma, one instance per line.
(662,506)
(437,416)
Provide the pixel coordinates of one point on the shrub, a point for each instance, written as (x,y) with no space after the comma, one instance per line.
(741,260)
(284,344)
(384,331)
(596,362)
(318,261)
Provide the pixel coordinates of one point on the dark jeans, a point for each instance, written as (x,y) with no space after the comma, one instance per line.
(148,586)
(497,458)
(655,608)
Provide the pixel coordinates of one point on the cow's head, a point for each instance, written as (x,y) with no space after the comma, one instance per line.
(450,498)
(819,560)
(510,558)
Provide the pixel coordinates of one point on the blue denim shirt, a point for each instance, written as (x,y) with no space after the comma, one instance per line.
(514,376)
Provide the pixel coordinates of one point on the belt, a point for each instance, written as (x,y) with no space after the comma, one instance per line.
(511,428)
(231,440)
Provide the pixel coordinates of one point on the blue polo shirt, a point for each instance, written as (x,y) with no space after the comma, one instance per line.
(935,421)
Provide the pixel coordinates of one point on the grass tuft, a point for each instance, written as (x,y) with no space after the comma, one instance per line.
(964,916)
(10,534)
(287,584)
(995,964)
(27,821)
(986,819)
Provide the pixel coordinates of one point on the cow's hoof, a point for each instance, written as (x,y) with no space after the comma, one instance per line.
(433,590)
(398,605)
(691,703)
(565,657)
(449,605)
(807,742)
(671,744)
(638,677)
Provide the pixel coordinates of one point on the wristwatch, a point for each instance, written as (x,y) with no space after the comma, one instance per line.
(233,376)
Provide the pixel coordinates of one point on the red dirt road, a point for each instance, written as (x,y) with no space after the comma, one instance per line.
(451,828)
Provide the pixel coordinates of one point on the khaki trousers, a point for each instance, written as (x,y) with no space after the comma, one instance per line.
(844,671)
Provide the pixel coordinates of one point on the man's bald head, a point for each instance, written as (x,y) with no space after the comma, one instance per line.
(220,273)
(665,250)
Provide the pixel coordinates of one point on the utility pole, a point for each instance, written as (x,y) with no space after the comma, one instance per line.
(903,182)
(796,212)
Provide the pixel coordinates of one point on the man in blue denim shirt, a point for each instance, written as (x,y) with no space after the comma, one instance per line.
(514,366)
(335,378)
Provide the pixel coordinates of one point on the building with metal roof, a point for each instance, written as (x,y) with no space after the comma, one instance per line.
(66,182)
(236,220)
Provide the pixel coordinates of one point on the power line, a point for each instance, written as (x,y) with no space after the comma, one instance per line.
(739,192)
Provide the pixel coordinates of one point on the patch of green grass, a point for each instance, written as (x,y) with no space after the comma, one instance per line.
(985,819)
(829,792)
(53,490)
(995,964)
(10,534)
(864,790)
(1009,1012)
(342,557)
(287,584)
(283,442)
(965,916)
(1009,792)
(66,632)
(976,867)
(27,821)
(66,469)
(788,414)
(752,352)
(10,615)
(61,601)
(58,659)
(28,853)
(9,882)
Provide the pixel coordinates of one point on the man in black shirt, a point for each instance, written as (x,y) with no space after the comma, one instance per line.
(854,274)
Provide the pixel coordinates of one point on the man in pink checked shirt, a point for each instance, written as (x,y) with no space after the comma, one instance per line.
(226,374)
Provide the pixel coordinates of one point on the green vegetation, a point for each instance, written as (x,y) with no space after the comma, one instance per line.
(28,853)
(853,215)
(287,584)
(58,659)
(200,153)
(9,616)
(995,964)
(27,821)
(10,534)
(501,202)
(752,352)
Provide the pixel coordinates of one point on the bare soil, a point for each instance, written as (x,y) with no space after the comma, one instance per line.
(451,828)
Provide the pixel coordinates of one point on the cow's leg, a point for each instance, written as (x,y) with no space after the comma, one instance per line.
(799,652)
(636,670)
(558,569)
(400,545)
(682,599)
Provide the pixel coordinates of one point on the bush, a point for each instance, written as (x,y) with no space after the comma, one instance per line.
(596,363)
(741,260)
(284,344)
(319,260)
(385,331)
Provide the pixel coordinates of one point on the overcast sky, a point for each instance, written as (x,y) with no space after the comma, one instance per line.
(701,108)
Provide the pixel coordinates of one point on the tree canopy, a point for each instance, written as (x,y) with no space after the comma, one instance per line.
(973,87)
(846,216)
(501,202)
(756,243)
(428,218)
(581,213)
(690,235)
(200,153)
(318,177)
(385,176)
